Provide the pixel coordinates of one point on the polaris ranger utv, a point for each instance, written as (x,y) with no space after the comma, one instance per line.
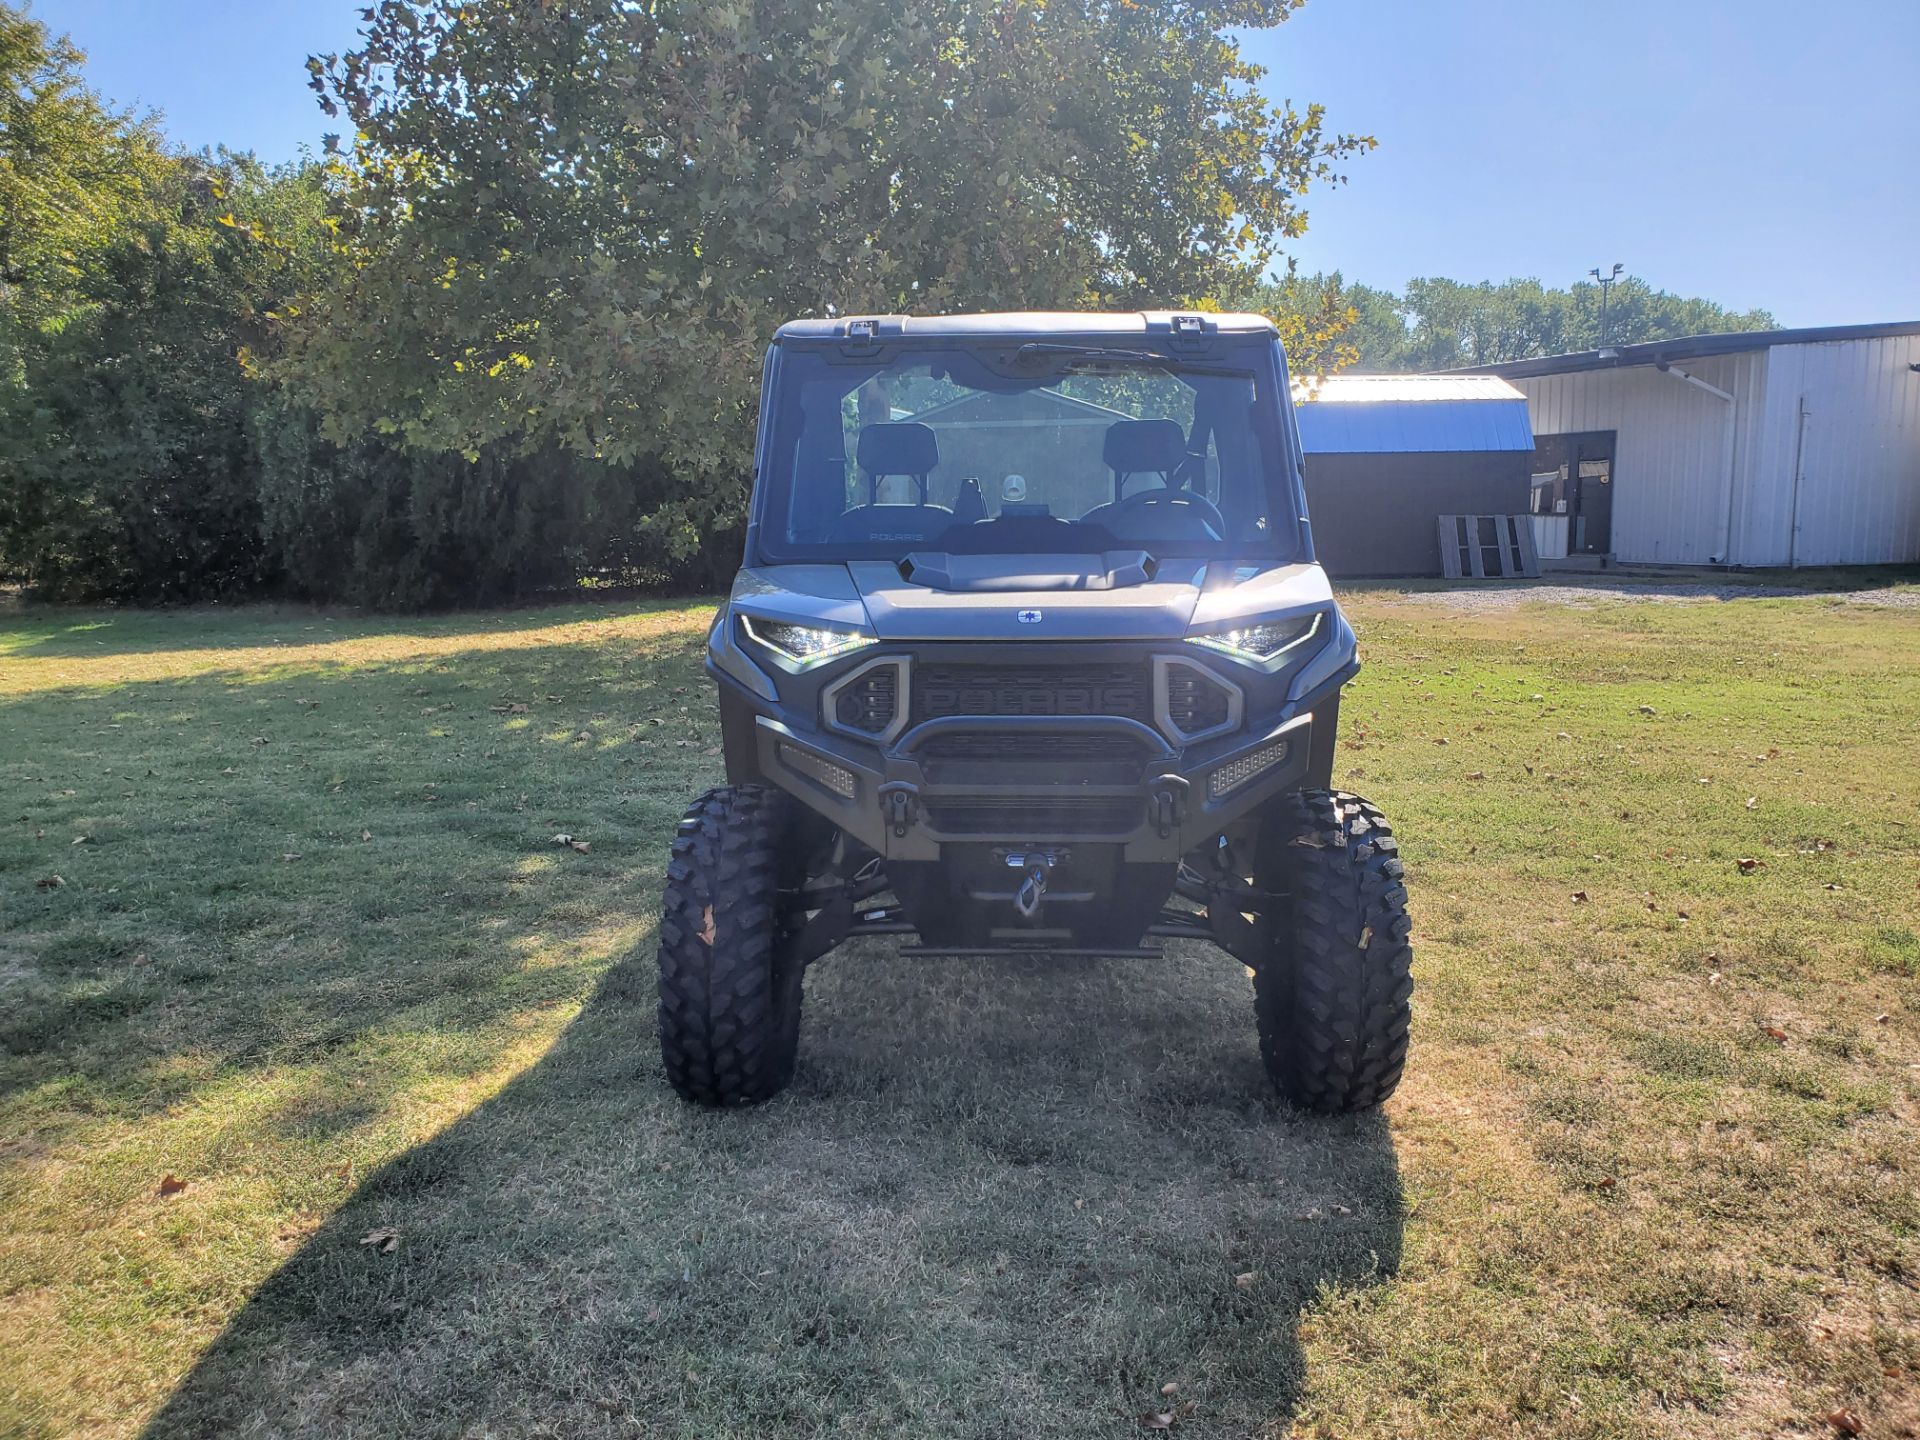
(1030,654)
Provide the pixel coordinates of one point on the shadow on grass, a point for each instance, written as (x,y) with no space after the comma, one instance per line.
(206,876)
(1001,1199)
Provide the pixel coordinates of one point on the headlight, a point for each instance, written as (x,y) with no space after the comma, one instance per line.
(1263,642)
(803,646)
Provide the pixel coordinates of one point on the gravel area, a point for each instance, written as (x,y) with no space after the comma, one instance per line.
(1498,596)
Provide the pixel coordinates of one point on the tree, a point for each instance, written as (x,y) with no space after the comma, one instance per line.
(73,173)
(127,453)
(1444,324)
(574,225)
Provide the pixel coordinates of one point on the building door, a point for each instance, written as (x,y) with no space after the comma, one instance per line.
(1573,476)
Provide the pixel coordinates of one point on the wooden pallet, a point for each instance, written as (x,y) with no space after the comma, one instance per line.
(1488,547)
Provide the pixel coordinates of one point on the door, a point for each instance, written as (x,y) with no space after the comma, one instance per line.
(1573,476)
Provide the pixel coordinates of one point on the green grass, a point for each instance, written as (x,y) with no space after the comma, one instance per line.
(316,954)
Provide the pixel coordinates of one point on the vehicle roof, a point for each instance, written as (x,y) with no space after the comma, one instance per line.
(1026,324)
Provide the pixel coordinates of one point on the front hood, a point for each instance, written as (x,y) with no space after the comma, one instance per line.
(1182,595)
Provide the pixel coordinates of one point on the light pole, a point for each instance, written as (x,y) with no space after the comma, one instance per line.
(1606,283)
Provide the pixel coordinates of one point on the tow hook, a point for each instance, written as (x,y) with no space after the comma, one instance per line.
(1168,805)
(898,804)
(1032,893)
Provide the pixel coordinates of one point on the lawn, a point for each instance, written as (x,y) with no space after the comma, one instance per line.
(289,958)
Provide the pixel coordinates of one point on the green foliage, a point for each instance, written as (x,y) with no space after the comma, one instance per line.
(126,457)
(72,173)
(372,523)
(1441,324)
(573,226)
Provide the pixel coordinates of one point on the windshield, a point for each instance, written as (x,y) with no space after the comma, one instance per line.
(1034,449)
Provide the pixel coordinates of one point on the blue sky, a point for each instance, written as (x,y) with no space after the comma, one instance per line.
(1757,152)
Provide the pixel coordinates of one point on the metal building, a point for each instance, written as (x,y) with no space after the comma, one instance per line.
(1387,455)
(1780,447)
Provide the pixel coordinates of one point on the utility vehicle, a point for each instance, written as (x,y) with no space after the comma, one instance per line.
(1030,655)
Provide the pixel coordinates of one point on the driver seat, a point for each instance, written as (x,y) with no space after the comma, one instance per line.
(887,448)
(1143,447)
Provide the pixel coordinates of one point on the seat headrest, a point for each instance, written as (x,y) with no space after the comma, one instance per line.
(1133,447)
(898,447)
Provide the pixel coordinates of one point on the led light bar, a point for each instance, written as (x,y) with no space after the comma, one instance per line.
(819,769)
(1237,772)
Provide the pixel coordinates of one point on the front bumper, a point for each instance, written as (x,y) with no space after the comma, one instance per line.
(905,804)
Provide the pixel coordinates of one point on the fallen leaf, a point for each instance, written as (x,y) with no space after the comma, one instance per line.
(706,926)
(1478,775)
(1845,1421)
(1244,1281)
(383,1240)
(583,846)
(1774,1032)
(1170,1388)
(171,1184)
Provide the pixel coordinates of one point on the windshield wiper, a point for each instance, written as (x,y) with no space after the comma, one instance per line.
(1037,350)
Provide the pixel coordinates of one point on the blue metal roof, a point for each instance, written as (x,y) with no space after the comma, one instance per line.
(1410,414)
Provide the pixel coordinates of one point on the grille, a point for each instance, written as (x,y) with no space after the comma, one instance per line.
(867,703)
(1031,818)
(1124,690)
(1196,703)
(1005,746)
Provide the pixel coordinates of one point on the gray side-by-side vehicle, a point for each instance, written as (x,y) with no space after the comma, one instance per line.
(1030,654)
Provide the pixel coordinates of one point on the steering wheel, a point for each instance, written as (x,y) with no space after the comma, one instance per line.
(1144,499)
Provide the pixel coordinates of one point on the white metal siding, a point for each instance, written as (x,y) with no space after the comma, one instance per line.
(1855,455)
(1670,454)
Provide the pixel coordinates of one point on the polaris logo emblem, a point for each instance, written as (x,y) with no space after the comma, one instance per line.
(1029,617)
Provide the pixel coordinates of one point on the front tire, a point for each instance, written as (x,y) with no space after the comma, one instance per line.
(1333,991)
(729,995)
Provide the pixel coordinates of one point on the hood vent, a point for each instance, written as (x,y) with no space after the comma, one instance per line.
(963,574)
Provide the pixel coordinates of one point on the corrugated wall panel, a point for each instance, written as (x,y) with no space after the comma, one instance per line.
(1670,458)
(1859,463)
